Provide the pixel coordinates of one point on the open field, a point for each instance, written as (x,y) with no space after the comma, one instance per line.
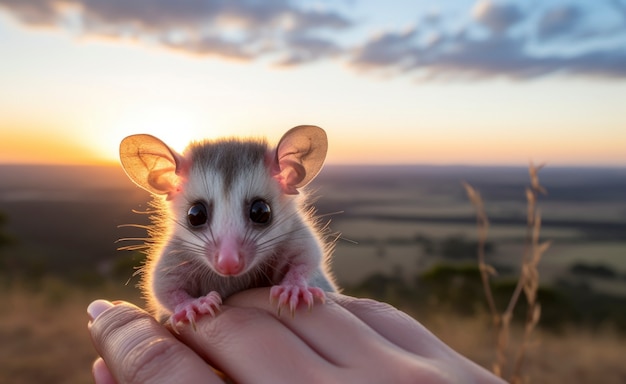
(65,218)
(404,220)
(44,334)
(574,356)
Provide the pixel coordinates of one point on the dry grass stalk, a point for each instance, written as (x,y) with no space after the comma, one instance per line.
(528,282)
(483,229)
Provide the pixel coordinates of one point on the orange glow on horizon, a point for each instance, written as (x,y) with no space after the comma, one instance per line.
(27,147)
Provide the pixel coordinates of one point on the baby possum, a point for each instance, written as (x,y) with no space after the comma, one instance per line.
(229,217)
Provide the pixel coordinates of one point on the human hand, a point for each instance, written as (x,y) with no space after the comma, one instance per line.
(344,340)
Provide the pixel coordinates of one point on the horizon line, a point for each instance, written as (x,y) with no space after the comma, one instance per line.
(107,164)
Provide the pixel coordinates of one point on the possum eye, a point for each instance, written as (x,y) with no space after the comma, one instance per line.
(260,212)
(197,215)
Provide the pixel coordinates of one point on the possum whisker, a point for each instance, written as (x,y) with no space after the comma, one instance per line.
(261,275)
(273,225)
(282,235)
(270,266)
(212,236)
(320,216)
(137,247)
(169,270)
(271,242)
(200,235)
(146,212)
(189,247)
(140,226)
(138,271)
(339,237)
(133,239)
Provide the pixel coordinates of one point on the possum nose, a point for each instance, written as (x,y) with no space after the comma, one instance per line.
(228,259)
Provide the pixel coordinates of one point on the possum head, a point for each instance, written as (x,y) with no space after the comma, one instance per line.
(231,202)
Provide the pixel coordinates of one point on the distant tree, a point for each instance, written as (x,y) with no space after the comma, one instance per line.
(598,270)
(459,248)
(456,287)
(5,240)
(389,288)
(428,244)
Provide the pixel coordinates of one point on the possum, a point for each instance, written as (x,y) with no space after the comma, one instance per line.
(230,216)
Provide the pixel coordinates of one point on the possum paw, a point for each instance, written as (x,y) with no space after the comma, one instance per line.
(192,309)
(289,295)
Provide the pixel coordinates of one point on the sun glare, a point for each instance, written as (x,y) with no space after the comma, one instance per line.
(174,126)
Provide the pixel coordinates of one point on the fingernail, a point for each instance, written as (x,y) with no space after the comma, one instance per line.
(97,307)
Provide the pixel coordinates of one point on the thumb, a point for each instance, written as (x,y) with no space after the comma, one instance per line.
(137,349)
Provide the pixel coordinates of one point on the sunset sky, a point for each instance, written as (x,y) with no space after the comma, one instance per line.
(446,82)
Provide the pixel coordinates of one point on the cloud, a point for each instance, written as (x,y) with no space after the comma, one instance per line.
(504,40)
(508,57)
(36,12)
(390,49)
(240,29)
(559,21)
(454,57)
(498,17)
(304,49)
(507,38)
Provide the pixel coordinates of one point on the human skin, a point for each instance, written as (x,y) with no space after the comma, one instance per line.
(343,340)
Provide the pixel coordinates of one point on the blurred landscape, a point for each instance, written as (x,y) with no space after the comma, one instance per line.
(408,237)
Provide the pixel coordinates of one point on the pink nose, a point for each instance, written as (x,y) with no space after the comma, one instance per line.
(229,260)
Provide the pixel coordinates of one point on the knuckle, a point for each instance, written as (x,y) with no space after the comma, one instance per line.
(133,344)
(360,304)
(233,320)
(148,359)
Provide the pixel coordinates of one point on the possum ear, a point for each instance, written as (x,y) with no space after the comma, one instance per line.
(150,164)
(300,155)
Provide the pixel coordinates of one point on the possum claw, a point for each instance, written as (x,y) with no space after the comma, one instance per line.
(291,295)
(192,309)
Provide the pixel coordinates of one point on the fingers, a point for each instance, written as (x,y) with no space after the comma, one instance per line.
(252,346)
(344,340)
(137,349)
(393,324)
(328,330)
(402,330)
